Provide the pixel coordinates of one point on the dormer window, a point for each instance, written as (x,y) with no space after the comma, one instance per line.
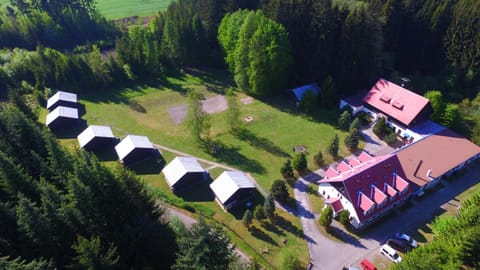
(385,98)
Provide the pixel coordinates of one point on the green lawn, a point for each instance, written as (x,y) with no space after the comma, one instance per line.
(276,127)
(116,9)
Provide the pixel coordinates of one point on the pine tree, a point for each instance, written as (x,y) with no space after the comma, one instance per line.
(300,162)
(247,219)
(287,170)
(326,217)
(269,206)
(333,146)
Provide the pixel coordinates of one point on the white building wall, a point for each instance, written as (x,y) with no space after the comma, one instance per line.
(327,191)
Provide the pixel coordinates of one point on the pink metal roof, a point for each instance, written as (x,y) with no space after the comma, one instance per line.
(395,101)
(378,195)
(365,203)
(364,157)
(353,162)
(400,183)
(390,190)
(331,172)
(343,167)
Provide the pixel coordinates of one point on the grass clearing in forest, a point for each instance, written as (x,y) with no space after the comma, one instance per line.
(268,139)
(117,9)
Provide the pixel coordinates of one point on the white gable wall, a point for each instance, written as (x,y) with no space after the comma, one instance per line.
(327,191)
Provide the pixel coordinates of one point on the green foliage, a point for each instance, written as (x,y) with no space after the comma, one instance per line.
(318,159)
(247,219)
(355,125)
(380,129)
(391,138)
(451,116)
(257,51)
(205,247)
(327,93)
(345,120)
(456,244)
(289,261)
(18,264)
(287,170)
(258,213)
(333,146)
(197,120)
(299,162)
(436,100)
(279,190)
(269,206)
(91,256)
(309,102)
(343,218)
(326,217)
(352,140)
(51,198)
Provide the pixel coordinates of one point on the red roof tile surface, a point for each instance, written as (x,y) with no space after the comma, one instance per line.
(395,101)
(390,190)
(364,157)
(353,162)
(331,173)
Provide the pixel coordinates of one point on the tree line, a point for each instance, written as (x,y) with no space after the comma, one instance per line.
(63,210)
(456,244)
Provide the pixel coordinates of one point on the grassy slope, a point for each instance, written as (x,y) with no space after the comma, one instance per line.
(116,9)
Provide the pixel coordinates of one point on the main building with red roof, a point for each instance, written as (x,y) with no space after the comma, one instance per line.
(401,108)
(369,187)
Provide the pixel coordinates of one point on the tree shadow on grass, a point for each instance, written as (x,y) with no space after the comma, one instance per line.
(287,226)
(230,154)
(260,234)
(259,142)
(199,192)
(272,228)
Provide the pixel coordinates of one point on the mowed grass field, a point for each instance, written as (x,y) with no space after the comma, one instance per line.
(276,128)
(117,9)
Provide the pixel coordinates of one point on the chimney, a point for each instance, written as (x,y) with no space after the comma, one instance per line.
(429,175)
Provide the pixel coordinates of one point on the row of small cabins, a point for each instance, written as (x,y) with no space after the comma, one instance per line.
(370,187)
(231,188)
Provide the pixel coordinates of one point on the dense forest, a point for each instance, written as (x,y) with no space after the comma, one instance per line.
(65,210)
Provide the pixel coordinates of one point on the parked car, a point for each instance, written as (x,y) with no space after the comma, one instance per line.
(398,245)
(390,253)
(349,268)
(367,265)
(407,239)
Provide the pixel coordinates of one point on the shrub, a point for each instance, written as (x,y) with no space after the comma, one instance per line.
(289,261)
(259,213)
(354,125)
(279,190)
(343,217)
(247,219)
(269,206)
(380,128)
(326,217)
(333,146)
(318,159)
(352,140)
(300,162)
(286,170)
(344,119)
(390,138)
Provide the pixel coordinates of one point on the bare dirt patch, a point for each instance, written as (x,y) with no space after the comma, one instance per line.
(210,105)
(247,100)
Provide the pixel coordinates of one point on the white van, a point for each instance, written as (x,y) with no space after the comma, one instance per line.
(390,253)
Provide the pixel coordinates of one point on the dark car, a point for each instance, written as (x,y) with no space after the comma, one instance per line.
(406,239)
(398,245)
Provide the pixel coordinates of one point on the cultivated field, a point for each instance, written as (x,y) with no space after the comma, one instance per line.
(116,9)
